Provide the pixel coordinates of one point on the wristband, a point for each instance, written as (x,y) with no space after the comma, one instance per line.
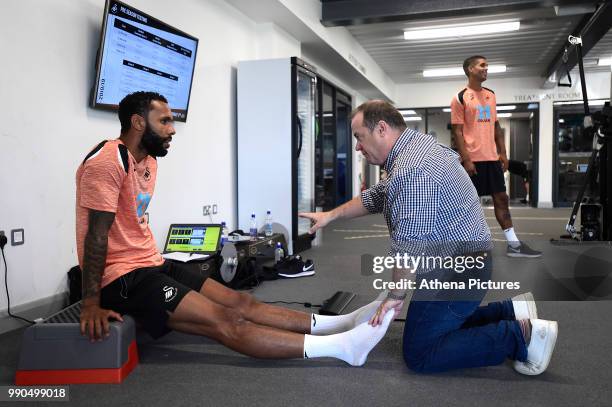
(392,296)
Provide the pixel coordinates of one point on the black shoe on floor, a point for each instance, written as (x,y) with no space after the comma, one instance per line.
(293,266)
(522,251)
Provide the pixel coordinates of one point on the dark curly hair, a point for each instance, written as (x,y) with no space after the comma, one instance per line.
(136,103)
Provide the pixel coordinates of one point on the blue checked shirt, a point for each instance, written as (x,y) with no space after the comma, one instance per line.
(427,198)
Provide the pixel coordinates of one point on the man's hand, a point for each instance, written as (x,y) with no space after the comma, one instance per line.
(504,161)
(470,168)
(319,219)
(94,320)
(386,305)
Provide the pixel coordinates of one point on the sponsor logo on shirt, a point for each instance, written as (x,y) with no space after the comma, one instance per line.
(147,174)
(484,113)
(142,203)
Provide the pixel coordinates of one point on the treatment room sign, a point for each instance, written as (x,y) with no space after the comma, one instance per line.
(598,87)
(537,97)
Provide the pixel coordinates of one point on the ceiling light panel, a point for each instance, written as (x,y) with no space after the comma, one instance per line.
(462,31)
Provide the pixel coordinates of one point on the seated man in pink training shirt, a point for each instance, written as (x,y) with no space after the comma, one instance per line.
(123,272)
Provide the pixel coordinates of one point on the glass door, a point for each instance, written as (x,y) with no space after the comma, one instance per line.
(343,149)
(305,146)
(573,148)
(334,147)
(328,149)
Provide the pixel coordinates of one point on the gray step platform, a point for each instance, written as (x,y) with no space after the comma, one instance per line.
(55,352)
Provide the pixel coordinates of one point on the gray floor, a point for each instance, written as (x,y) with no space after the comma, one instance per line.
(186,370)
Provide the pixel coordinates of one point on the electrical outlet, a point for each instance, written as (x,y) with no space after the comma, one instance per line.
(211,209)
(17,237)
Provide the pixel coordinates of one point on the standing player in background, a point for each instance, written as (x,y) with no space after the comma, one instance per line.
(480,142)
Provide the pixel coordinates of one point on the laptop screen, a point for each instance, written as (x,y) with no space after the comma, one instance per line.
(193,238)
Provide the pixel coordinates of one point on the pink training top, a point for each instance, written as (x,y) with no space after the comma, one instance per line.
(103,184)
(476,111)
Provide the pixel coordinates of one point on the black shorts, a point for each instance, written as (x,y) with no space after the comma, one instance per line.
(149,294)
(489,178)
(518,168)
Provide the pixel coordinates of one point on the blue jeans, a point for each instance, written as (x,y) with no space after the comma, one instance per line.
(441,335)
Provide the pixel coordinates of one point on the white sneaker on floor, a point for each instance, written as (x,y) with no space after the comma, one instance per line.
(540,349)
(524,306)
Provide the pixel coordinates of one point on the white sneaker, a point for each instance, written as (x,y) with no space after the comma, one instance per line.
(524,306)
(540,349)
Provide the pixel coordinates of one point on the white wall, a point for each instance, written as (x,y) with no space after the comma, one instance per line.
(48,51)
(309,12)
(545,155)
(513,90)
(274,42)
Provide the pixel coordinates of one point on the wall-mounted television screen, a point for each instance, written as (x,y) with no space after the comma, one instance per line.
(139,52)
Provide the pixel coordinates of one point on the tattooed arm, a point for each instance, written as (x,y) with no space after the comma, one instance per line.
(94,320)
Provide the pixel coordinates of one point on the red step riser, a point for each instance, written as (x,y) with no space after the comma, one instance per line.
(79,376)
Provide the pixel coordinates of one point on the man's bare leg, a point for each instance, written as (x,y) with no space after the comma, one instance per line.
(255,311)
(198,315)
(283,318)
(502,210)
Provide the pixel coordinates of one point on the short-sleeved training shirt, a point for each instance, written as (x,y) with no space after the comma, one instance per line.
(476,111)
(110,180)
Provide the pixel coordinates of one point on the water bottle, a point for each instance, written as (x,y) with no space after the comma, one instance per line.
(279,253)
(224,234)
(268,224)
(253,230)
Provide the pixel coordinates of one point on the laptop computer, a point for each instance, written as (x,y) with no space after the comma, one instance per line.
(193,238)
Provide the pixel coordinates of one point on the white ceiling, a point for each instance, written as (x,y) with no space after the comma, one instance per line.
(527,52)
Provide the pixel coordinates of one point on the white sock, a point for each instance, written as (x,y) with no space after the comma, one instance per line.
(351,346)
(333,324)
(511,237)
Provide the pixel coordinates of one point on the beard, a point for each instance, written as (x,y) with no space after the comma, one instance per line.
(153,143)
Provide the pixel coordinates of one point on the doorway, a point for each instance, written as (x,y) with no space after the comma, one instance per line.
(333,157)
(572,149)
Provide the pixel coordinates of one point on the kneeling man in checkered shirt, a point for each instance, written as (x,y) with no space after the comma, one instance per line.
(431,208)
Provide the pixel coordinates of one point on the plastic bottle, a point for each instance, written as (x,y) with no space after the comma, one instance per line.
(224,234)
(268,224)
(253,230)
(279,253)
